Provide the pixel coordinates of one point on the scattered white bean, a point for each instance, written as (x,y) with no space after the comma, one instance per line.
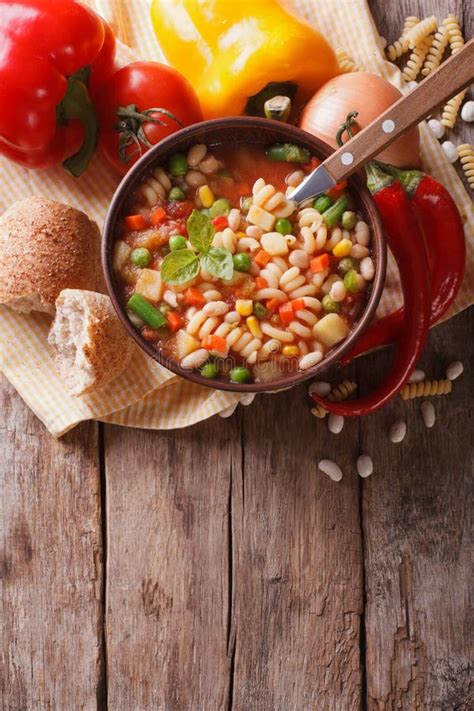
(335,423)
(450,151)
(454,370)
(467,111)
(436,128)
(428,413)
(367,268)
(338,291)
(196,154)
(228,410)
(364,465)
(398,431)
(330,468)
(320,387)
(417,376)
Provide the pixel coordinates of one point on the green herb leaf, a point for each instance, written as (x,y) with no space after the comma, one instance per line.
(179,266)
(200,231)
(218,262)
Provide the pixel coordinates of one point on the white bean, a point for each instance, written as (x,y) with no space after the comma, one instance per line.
(212,295)
(294,178)
(358,251)
(436,128)
(338,291)
(428,413)
(215,308)
(362,233)
(209,165)
(417,376)
(195,179)
(196,154)
(195,359)
(467,112)
(367,268)
(335,423)
(330,468)
(365,466)
(233,219)
(299,258)
(320,387)
(450,151)
(398,431)
(310,359)
(454,370)
(170,298)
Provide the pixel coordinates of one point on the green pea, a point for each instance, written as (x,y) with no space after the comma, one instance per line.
(283,226)
(240,375)
(210,370)
(245,204)
(178,165)
(141,257)
(259,310)
(349,220)
(220,207)
(176,194)
(329,305)
(347,264)
(351,281)
(177,242)
(241,262)
(322,203)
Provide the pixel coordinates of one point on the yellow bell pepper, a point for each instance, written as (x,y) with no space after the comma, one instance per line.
(231,50)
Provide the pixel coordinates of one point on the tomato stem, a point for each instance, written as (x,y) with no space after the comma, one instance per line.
(130,126)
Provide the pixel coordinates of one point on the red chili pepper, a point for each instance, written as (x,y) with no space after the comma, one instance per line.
(52,50)
(406,243)
(445,247)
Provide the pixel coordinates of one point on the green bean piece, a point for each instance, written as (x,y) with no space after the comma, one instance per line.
(176,194)
(278,108)
(210,370)
(347,264)
(259,310)
(240,375)
(178,165)
(329,305)
(323,203)
(222,206)
(141,257)
(349,220)
(283,226)
(177,242)
(333,215)
(245,204)
(241,262)
(351,281)
(288,152)
(144,310)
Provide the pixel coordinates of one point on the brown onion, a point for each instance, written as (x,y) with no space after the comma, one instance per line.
(368,94)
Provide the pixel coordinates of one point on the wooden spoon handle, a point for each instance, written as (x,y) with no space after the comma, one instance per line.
(453,75)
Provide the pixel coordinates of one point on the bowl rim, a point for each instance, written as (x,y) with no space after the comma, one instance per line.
(179,140)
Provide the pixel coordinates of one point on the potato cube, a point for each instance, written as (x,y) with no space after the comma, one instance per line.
(331,329)
(263,219)
(149,284)
(122,254)
(274,243)
(185,344)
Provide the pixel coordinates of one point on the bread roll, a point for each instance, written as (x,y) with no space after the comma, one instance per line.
(91,346)
(46,247)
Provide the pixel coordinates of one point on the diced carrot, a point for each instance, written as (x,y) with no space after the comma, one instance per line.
(272,304)
(336,191)
(319,264)
(214,343)
(262,258)
(261,283)
(157,216)
(297,305)
(286,313)
(135,222)
(175,322)
(220,222)
(193,297)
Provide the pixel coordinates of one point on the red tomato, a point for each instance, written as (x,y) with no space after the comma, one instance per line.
(138,106)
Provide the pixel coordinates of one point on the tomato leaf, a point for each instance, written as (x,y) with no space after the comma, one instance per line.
(200,231)
(179,266)
(218,262)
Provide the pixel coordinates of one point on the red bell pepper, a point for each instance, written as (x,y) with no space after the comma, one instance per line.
(52,53)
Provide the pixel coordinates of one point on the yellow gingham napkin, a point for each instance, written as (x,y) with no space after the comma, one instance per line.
(147,395)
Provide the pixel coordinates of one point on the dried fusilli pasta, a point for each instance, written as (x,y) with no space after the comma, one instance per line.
(340,392)
(451,110)
(416,59)
(422,29)
(346,63)
(400,46)
(456,40)
(435,55)
(466,155)
(426,388)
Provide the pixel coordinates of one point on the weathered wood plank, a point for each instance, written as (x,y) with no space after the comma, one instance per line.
(167,621)
(297,582)
(50,564)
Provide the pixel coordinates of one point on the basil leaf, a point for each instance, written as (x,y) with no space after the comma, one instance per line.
(200,231)
(218,262)
(179,266)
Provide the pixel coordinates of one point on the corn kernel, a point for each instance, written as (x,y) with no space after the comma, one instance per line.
(254,328)
(206,196)
(342,248)
(239,235)
(290,350)
(244,307)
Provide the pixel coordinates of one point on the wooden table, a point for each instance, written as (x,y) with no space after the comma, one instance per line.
(215,568)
